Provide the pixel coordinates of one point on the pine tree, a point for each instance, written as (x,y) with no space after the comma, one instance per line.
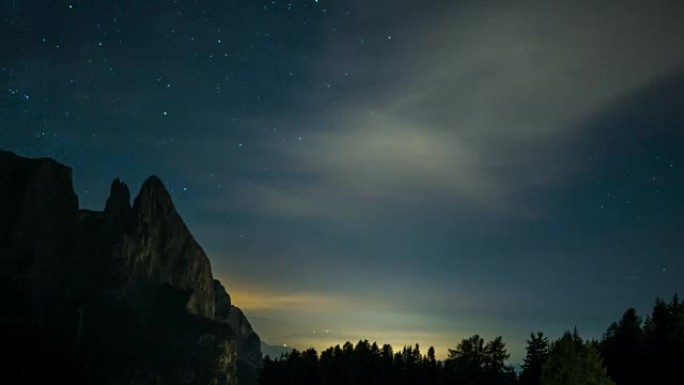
(623,350)
(664,340)
(474,362)
(574,362)
(537,351)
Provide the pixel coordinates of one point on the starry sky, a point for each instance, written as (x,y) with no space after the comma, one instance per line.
(398,171)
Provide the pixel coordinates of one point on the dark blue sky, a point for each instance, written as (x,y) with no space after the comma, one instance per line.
(399,171)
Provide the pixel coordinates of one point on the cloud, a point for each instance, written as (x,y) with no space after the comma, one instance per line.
(485,108)
(258,300)
(465,113)
(385,161)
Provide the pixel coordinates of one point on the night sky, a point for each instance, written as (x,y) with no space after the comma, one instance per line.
(400,171)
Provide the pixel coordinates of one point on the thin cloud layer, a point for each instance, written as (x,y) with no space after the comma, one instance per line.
(473,111)
(488,110)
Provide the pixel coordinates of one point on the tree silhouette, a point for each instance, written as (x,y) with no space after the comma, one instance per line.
(495,369)
(431,368)
(474,363)
(635,353)
(623,350)
(464,364)
(573,362)
(664,340)
(537,352)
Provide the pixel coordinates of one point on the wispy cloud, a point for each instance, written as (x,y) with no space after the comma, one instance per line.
(477,110)
(487,108)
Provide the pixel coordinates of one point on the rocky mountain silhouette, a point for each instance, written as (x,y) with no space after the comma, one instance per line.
(121,296)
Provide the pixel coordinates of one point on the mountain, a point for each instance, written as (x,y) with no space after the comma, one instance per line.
(121,296)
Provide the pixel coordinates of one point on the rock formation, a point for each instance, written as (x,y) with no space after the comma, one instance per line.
(248,342)
(122,296)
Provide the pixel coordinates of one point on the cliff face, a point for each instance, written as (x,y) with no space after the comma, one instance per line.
(38,214)
(248,342)
(124,296)
(159,249)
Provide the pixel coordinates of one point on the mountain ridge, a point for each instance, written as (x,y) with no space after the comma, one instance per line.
(71,272)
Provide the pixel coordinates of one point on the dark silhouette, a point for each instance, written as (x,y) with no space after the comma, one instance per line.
(362,364)
(126,296)
(623,350)
(474,362)
(649,352)
(574,361)
(537,352)
(631,352)
(121,296)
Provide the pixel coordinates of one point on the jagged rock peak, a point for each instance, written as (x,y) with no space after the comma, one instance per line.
(161,249)
(154,198)
(70,277)
(154,183)
(119,202)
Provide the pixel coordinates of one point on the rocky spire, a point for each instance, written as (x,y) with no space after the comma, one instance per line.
(160,248)
(118,206)
(154,201)
(131,278)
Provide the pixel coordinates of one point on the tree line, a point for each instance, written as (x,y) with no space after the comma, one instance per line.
(633,351)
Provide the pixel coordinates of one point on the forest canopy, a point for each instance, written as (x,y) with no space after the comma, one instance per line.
(631,352)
